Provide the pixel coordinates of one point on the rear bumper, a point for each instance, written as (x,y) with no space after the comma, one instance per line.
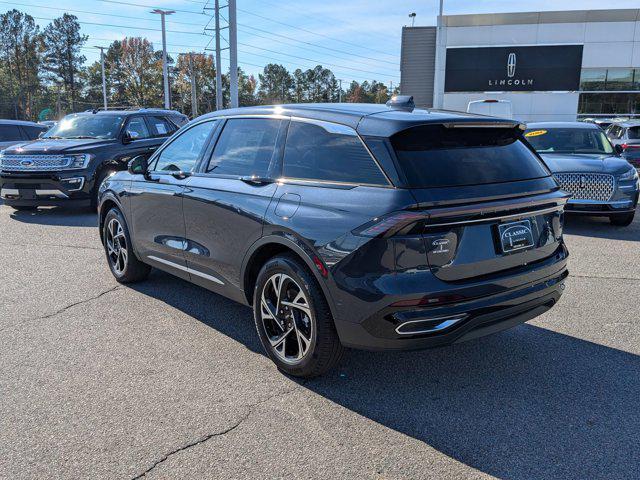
(50,189)
(391,327)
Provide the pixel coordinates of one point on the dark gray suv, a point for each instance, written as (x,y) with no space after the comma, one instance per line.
(346,225)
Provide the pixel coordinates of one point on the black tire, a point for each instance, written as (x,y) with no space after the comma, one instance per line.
(324,348)
(622,219)
(125,270)
(96,188)
(24,208)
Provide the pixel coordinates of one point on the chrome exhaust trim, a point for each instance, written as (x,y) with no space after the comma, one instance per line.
(435,324)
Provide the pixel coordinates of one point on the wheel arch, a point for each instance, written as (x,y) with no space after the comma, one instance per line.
(270,246)
(108,202)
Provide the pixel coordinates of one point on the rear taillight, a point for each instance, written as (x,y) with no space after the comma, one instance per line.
(627,146)
(397,223)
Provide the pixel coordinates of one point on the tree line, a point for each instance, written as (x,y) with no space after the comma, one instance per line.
(44,75)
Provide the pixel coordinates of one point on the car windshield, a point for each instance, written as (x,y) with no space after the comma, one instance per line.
(569,140)
(87,126)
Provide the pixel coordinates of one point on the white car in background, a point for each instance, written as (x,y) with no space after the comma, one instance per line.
(491,108)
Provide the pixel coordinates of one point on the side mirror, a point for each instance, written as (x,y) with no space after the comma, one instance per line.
(129,136)
(138,165)
(619,149)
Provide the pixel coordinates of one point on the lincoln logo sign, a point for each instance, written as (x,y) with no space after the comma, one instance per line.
(486,69)
(511,65)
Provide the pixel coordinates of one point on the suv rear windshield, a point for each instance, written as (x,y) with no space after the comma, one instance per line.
(87,126)
(437,156)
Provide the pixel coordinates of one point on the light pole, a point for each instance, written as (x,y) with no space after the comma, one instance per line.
(104,80)
(165,69)
(438,83)
(233,54)
(218,59)
(412,16)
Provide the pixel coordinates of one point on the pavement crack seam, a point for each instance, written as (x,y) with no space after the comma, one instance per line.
(202,440)
(192,444)
(63,309)
(604,277)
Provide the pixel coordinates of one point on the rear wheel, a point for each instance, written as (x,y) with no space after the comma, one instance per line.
(622,219)
(293,319)
(123,262)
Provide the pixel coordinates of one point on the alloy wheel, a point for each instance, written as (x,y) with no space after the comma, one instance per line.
(116,242)
(287,318)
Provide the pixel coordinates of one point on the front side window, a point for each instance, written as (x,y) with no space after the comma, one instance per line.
(9,133)
(329,152)
(88,125)
(569,140)
(246,147)
(137,128)
(34,132)
(183,153)
(437,156)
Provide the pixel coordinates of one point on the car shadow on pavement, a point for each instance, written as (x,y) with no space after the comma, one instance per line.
(600,227)
(58,216)
(524,403)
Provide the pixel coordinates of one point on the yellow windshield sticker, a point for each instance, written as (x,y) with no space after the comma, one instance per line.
(535,133)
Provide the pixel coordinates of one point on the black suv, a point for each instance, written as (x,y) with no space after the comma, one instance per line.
(68,163)
(347,225)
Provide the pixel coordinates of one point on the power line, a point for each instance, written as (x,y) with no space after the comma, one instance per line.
(316,33)
(91,13)
(125,26)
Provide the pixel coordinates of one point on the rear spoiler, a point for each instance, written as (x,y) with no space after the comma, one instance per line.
(485,124)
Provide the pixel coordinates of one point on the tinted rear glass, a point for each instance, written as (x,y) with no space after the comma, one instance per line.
(329,152)
(436,156)
(633,133)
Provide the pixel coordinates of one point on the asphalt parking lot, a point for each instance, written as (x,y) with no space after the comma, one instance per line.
(167,380)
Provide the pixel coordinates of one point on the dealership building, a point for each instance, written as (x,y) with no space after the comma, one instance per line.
(550,65)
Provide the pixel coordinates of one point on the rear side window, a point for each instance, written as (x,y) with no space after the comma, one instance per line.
(9,133)
(436,156)
(246,147)
(329,152)
(633,133)
(160,126)
(137,128)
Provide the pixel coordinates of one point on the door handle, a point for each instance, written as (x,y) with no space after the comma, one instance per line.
(253,180)
(180,175)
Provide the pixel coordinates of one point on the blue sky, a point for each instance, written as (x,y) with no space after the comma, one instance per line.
(356,39)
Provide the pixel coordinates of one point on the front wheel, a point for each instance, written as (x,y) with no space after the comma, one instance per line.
(123,262)
(622,219)
(293,319)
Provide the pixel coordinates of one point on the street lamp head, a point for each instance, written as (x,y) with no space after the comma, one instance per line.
(412,15)
(163,12)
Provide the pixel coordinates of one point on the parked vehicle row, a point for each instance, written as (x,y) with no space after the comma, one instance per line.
(67,164)
(625,136)
(366,226)
(17,131)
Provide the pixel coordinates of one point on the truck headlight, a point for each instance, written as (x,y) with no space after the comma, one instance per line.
(631,174)
(79,161)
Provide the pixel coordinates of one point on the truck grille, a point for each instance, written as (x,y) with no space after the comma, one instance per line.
(34,163)
(587,186)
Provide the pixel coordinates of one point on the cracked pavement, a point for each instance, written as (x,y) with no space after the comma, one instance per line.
(166,380)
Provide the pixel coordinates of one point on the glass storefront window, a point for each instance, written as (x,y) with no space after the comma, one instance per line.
(619,79)
(593,79)
(609,103)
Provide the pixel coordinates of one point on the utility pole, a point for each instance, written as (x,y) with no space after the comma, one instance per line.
(104,79)
(233,54)
(165,69)
(340,91)
(194,97)
(218,61)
